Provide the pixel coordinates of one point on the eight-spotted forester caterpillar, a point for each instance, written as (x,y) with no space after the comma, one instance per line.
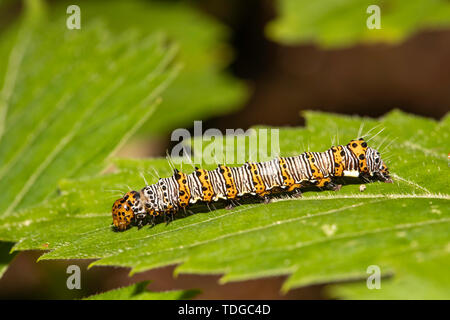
(289,174)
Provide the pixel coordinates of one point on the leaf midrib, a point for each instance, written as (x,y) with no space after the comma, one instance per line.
(246,231)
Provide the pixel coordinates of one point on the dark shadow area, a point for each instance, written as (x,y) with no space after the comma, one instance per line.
(367,80)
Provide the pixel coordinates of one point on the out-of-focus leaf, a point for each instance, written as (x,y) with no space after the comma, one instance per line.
(68,112)
(138,291)
(331,23)
(203,89)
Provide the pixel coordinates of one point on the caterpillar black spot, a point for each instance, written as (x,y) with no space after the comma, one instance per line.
(282,174)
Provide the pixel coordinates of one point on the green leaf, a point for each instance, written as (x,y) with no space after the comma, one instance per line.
(342,23)
(5,257)
(71,110)
(420,278)
(138,291)
(203,89)
(323,237)
(69,99)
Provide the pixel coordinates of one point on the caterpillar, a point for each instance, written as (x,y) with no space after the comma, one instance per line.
(282,174)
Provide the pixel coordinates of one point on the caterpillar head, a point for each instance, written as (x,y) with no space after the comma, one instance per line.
(376,165)
(123,210)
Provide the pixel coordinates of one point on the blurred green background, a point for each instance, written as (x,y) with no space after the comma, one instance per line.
(256,62)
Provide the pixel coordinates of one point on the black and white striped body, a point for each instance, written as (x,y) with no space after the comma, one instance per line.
(319,169)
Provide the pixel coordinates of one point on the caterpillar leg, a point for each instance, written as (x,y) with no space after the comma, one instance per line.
(328,184)
(383,178)
(187,212)
(167,221)
(333,186)
(168,217)
(266,199)
(297,193)
(264,196)
(209,208)
(153,222)
(140,219)
(231,204)
(364,177)
(140,224)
